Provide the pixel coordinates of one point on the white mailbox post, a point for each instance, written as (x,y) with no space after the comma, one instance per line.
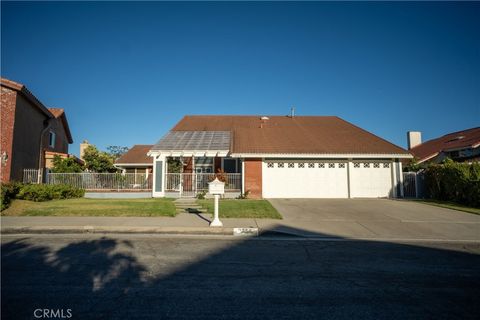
(216,187)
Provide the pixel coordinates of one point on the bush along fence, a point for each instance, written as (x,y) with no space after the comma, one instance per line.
(37,192)
(95,181)
(453,181)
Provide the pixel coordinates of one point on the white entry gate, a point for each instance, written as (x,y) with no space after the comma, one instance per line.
(190,184)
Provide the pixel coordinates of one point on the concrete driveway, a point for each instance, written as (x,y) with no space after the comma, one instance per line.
(372,219)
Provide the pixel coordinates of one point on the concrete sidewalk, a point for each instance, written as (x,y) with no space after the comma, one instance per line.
(183,223)
(341,219)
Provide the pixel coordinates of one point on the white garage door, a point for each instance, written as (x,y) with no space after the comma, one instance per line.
(297,179)
(370,179)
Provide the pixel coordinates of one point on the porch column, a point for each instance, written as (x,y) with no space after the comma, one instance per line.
(159,177)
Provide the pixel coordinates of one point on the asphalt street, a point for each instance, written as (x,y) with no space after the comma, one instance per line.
(172,277)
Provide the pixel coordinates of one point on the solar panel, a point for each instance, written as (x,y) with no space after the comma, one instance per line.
(194,140)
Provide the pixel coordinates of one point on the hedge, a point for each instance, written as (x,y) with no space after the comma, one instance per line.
(454,181)
(45,192)
(9,191)
(38,192)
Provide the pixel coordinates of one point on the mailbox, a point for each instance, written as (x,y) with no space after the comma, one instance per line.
(216,187)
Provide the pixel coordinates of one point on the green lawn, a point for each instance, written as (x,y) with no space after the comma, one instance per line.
(450,205)
(93,207)
(233,208)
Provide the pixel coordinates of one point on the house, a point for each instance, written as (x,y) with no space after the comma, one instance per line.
(459,146)
(135,160)
(31,133)
(277,157)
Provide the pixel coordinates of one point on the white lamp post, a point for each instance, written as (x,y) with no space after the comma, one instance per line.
(216,187)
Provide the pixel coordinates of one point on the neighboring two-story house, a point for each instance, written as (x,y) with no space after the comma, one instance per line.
(461,146)
(31,133)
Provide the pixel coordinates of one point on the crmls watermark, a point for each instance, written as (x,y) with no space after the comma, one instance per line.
(52,313)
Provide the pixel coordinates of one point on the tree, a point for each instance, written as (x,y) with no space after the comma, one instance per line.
(66,165)
(98,161)
(174,165)
(116,151)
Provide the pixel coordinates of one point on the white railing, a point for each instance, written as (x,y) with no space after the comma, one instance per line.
(30,175)
(413,184)
(103,181)
(198,182)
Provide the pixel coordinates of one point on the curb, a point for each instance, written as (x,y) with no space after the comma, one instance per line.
(145,230)
(132,230)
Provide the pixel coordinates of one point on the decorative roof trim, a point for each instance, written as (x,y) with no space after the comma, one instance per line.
(189,153)
(321,155)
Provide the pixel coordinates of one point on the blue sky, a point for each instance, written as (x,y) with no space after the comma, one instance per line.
(127,72)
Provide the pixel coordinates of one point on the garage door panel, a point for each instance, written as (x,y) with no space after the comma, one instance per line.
(319,181)
(371,180)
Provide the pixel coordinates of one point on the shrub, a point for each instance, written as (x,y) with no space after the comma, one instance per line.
(9,191)
(244,195)
(201,195)
(453,181)
(45,192)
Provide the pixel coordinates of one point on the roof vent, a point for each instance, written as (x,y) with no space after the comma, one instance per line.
(264,118)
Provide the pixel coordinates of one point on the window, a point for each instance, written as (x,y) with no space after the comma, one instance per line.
(203,164)
(301,165)
(291,165)
(366,165)
(321,165)
(341,165)
(269,164)
(376,165)
(356,165)
(331,165)
(386,165)
(51,139)
(311,165)
(281,165)
(230,165)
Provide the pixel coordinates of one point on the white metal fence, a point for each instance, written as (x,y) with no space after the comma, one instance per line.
(185,183)
(192,183)
(103,181)
(413,185)
(30,175)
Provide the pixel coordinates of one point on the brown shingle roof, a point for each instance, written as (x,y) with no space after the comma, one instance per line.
(286,135)
(469,138)
(136,155)
(27,94)
(49,112)
(60,113)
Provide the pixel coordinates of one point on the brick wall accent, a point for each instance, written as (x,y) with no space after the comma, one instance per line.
(7,112)
(253,177)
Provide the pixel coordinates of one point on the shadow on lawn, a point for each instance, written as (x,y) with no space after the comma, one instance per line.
(247,279)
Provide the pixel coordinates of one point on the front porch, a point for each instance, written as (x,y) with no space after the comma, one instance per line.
(191,184)
(189,176)
(184,162)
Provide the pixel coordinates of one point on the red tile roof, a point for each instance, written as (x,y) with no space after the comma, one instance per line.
(469,138)
(136,155)
(297,135)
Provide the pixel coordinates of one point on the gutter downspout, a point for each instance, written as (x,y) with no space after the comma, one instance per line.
(42,152)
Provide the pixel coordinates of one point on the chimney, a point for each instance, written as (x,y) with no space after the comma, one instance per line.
(83,146)
(414,138)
